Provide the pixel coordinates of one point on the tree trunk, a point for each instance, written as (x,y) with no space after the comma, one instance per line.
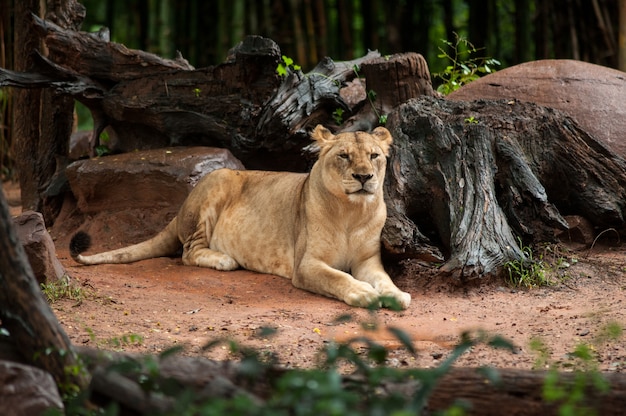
(32,326)
(26,121)
(482,175)
(43,124)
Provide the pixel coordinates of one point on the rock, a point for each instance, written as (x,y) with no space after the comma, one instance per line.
(26,390)
(80,145)
(580,231)
(159,178)
(593,95)
(39,247)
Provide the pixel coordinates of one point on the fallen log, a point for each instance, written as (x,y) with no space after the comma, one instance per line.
(514,392)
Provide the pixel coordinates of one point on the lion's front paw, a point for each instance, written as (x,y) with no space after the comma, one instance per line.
(402,299)
(362,295)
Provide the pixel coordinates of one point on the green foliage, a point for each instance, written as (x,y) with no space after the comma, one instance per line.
(548,268)
(103,148)
(68,389)
(324,390)
(64,288)
(371,97)
(125,340)
(570,395)
(338,116)
(527,271)
(462,67)
(286,65)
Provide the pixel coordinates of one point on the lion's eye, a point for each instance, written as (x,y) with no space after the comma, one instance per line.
(344,156)
(374,156)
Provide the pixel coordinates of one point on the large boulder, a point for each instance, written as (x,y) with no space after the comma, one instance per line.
(39,247)
(26,390)
(149,178)
(126,198)
(593,95)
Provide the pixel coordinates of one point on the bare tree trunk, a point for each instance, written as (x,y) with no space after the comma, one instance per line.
(26,107)
(622,36)
(43,120)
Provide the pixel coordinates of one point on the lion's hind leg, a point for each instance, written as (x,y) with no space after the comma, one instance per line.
(205,257)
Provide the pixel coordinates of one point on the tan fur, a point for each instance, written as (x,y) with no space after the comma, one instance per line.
(321,230)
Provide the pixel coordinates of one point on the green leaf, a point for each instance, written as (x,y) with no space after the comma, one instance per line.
(281,70)
(404,339)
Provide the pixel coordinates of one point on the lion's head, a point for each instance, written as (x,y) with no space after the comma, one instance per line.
(353,163)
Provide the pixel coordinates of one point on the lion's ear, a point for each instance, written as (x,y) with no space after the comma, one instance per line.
(322,135)
(384,138)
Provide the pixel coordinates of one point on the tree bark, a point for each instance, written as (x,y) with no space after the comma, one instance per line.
(26,121)
(43,123)
(32,326)
(483,175)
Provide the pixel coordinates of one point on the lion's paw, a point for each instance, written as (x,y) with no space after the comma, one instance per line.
(217,261)
(362,295)
(402,299)
(226,263)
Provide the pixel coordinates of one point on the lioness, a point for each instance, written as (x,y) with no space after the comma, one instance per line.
(312,228)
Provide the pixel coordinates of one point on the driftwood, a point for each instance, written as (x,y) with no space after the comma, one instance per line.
(466,184)
(517,392)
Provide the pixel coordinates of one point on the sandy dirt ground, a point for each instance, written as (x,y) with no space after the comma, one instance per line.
(152,305)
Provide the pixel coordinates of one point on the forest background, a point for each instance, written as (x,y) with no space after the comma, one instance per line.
(511,31)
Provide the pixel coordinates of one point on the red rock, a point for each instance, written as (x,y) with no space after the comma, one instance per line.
(26,390)
(593,95)
(160,178)
(39,247)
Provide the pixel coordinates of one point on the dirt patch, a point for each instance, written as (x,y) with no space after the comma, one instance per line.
(169,304)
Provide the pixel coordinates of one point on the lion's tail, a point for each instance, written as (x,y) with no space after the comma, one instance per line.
(165,243)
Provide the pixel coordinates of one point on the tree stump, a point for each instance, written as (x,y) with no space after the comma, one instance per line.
(481,176)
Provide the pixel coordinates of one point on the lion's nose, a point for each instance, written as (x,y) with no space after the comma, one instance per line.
(361,177)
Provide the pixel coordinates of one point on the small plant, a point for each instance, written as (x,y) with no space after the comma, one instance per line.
(103,148)
(286,65)
(64,288)
(527,271)
(196,92)
(471,120)
(371,97)
(462,68)
(551,267)
(338,116)
(125,340)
